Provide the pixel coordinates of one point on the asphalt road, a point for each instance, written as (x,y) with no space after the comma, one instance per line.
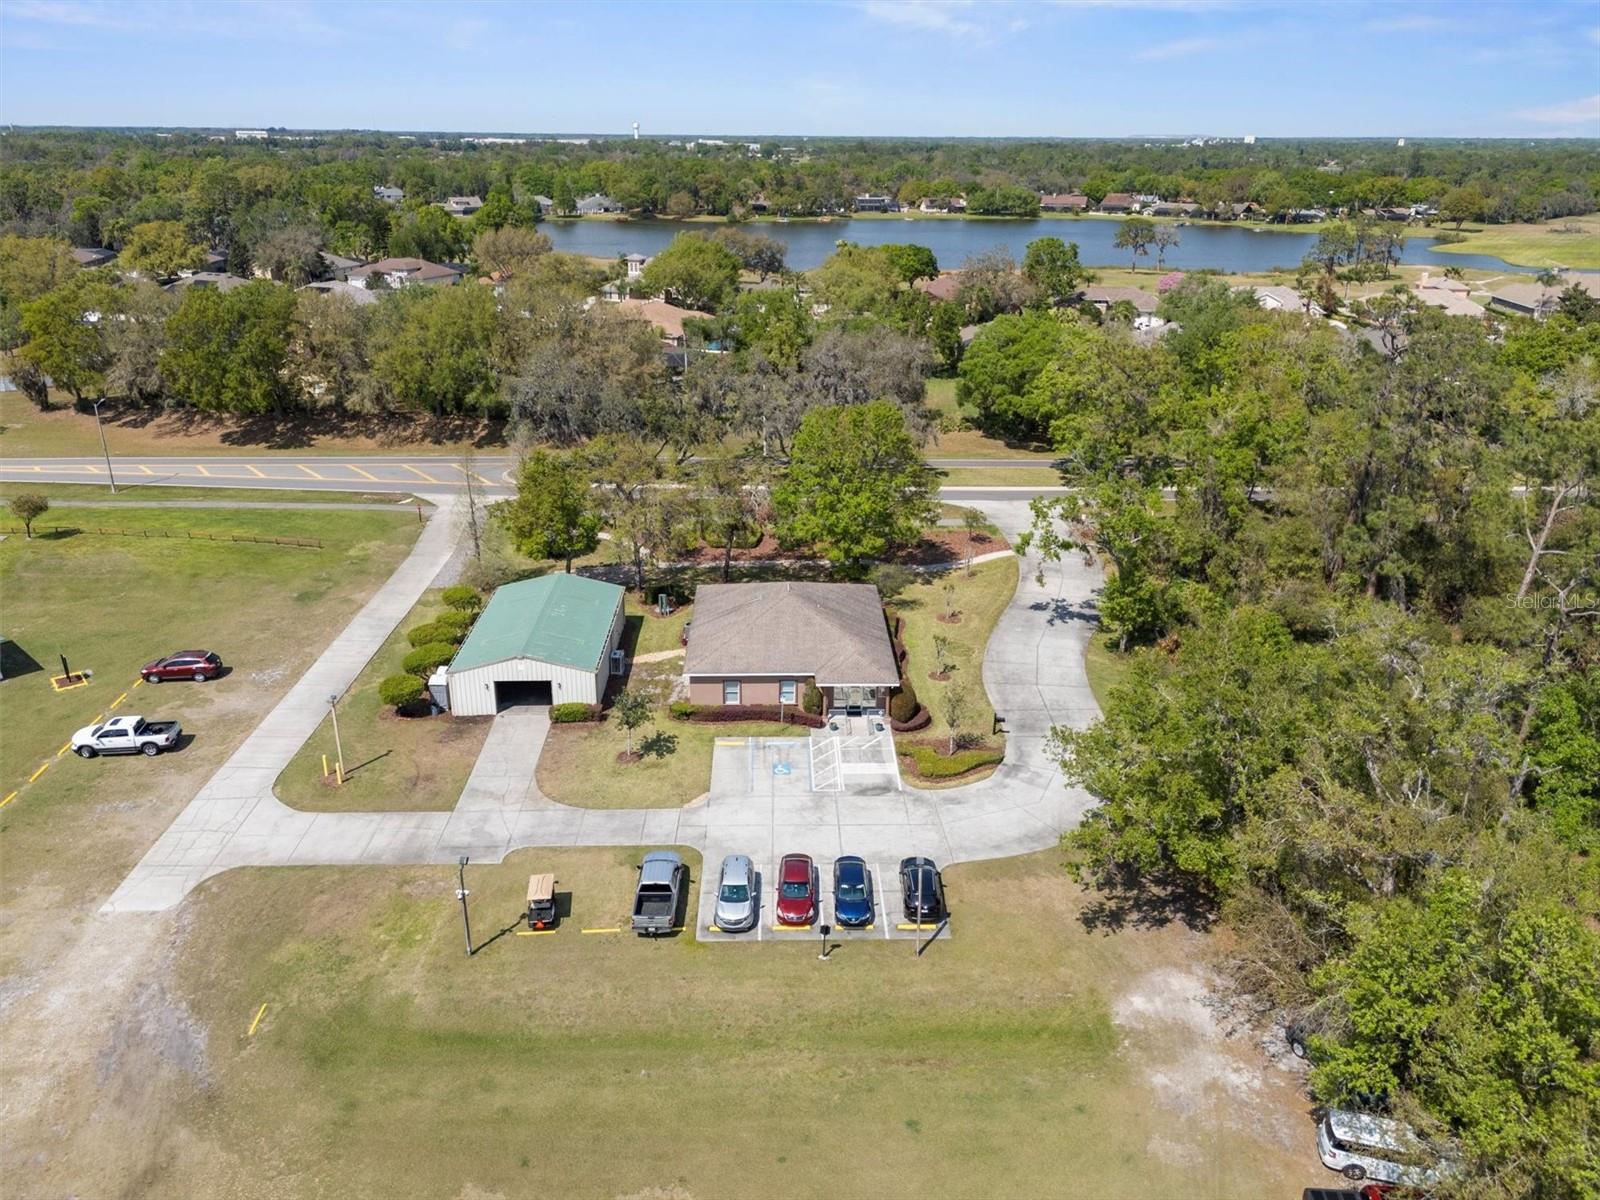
(358,473)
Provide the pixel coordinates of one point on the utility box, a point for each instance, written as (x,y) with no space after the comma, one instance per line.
(439,688)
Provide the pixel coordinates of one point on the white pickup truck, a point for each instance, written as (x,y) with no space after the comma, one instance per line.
(126,735)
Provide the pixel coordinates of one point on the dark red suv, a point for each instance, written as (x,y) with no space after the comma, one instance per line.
(198,665)
(797,890)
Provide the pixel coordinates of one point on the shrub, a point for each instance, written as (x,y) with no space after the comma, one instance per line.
(425,634)
(930,764)
(681,710)
(717,714)
(28,508)
(811,699)
(455,622)
(573,713)
(462,598)
(922,720)
(903,705)
(891,579)
(425,658)
(399,691)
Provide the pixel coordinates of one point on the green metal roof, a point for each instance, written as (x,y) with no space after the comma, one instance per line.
(563,619)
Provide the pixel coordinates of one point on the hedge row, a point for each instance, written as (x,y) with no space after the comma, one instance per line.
(721,713)
(573,713)
(931,764)
(922,720)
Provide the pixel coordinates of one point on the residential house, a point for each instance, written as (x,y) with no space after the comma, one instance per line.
(763,643)
(213,262)
(546,205)
(873,203)
(635,264)
(403,272)
(1063,202)
(92,256)
(1238,212)
(389,195)
(1118,202)
(462,206)
(217,280)
(667,318)
(1104,297)
(1305,216)
(596,204)
(1173,208)
(339,287)
(941,287)
(339,266)
(1285,299)
(1526,299)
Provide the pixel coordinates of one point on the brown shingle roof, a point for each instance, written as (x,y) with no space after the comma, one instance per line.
(942,287)
(834,632)
(668,318)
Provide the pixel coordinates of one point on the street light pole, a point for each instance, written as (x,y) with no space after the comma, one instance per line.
(338,746)
(461,895)
(110,474)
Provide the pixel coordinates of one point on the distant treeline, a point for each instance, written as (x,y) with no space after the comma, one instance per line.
(93,188)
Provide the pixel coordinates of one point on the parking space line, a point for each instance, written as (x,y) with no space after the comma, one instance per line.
(361,473)
(613,930)
(202,469)
(8,799)
(474,474)
(536,932)
(307,470)
(39,772)
(420,474)
(257,1021)
(118,700)
(882,898)
(65,746)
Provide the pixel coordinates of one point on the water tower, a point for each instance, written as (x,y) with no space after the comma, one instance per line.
(636,131)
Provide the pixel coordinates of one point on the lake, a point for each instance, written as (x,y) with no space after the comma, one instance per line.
(1237,248)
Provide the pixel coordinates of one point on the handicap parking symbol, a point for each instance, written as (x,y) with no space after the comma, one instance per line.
(781,768)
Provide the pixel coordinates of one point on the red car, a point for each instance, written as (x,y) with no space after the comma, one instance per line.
(797,890)
(198,665)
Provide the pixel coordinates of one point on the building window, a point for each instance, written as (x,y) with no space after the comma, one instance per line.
(730,691)
(788,691)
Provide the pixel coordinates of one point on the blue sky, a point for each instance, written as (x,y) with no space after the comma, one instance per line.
(1078,68)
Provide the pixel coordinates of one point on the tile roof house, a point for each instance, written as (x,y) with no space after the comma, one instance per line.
(402,272)
(761,643)
(1448,295)
(941,287)
(1063,202)
(1118,202)
(667,318)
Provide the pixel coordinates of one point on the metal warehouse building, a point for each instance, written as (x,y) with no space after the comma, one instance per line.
(542,641)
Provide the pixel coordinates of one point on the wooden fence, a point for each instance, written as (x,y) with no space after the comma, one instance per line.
(180,534)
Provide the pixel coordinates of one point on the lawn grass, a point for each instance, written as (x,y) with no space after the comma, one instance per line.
(999,1064)
(1546,244)
(112,604)
(1105,666)
(940,397)
(646,632)
(980,598)
(579,765)
(392,763)
(137,494)
(1032,477)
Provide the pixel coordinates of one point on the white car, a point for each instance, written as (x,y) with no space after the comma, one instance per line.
(1366,1147)
(126,735)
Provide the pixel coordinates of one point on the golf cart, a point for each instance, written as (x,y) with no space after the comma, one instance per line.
(541,901)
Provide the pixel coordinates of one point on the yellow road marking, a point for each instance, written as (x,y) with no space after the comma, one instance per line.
(307,470)
(96,717)
(420,474)
(614,930)
(920,928)
(361,473)
(536,932)
(118,700)
(727,741)
(39,772)
(474,474)
(138,682)
(65,746)
(8,799)
(202,469)
(257,1021)
(256,471)
(146,470)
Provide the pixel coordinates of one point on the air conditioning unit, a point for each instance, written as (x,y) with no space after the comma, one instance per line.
(619,662)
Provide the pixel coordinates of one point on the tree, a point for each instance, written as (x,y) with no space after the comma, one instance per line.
(755,251)
(1165,238)
(28,507)
(66,337)
(553,514)
(999,367)
(991,284)
(941,654)
(431,349)
(631,710)
(29,268)
(509,250)
(857,280)
(856,485)
(976,526)
(290,253)
(136,340)
(1136,234)
(694,271)
(328,351)
(1462,204)
(911,262)
(1052,266)
(732,503)
(776,323)
(226,351)
(160,249)
(891,579)
(955,708)
(401,691)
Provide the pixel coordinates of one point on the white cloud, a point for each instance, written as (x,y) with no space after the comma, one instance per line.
(927,16)
(1181,48)
(1579,114)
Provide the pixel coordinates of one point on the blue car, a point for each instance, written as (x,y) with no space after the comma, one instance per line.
(852,892)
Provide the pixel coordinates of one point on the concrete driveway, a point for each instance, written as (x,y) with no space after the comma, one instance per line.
(764,800)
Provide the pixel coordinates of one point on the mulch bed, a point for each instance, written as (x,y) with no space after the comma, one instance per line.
(627,759)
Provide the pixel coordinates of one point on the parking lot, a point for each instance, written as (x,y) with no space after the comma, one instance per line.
(888,922)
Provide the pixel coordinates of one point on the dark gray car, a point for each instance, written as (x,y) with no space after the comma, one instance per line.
(738,900)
